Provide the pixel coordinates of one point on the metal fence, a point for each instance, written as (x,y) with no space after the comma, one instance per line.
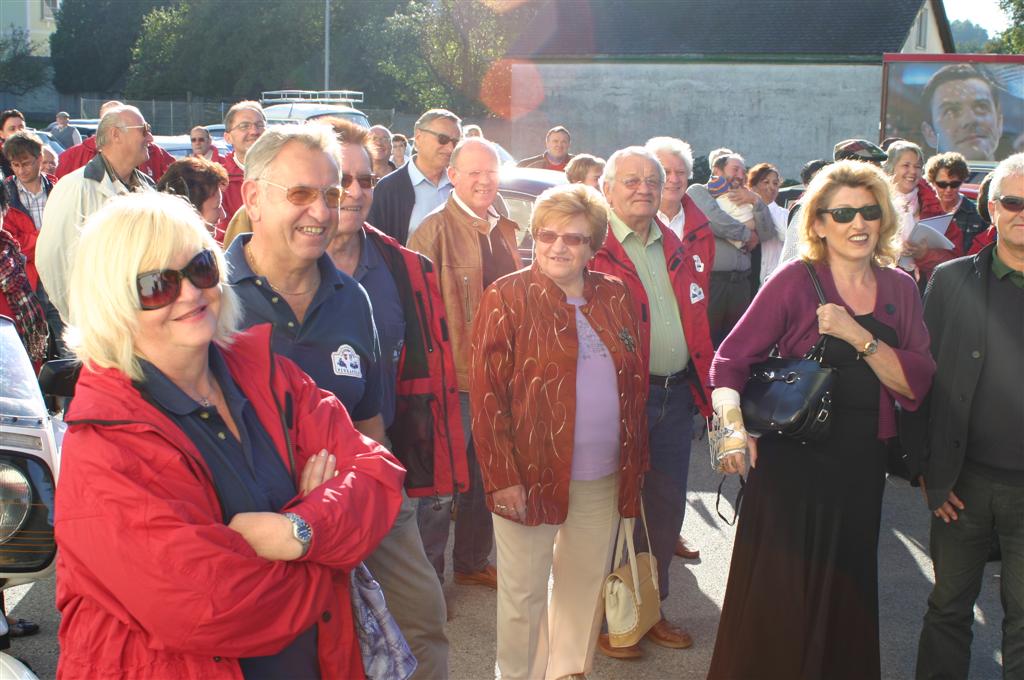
(166,117)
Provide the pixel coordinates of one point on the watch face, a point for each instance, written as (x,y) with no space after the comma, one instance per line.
(300,528)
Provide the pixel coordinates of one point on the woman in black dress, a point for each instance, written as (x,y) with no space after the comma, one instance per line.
(802,595)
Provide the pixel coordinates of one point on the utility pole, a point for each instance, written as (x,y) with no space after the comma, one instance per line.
(327,44)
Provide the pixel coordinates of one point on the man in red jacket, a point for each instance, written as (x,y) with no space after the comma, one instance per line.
(672,307)
(243,125)
(77,156)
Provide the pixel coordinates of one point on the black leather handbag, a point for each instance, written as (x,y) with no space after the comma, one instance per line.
(791,397)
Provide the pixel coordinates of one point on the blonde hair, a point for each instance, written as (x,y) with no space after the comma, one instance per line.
(129,235)
(820,192)
(561,203)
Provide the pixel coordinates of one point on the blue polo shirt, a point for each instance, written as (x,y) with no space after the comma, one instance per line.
(249,476)
(336,343)
(373,274)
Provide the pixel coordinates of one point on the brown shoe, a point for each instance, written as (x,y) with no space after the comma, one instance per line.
(669,635)
(488,576)
(625,653)
(685,550)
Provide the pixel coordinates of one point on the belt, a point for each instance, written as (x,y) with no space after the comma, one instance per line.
(667,381)
(732,276)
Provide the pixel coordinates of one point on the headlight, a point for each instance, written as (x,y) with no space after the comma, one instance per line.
(15,500)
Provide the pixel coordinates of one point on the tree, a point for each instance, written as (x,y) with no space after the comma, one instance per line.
(443,51)
(20,70)
(969,37)
(91,47)
(1010,41)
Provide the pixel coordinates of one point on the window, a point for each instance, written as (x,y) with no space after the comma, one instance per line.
(922,29)
(47,8)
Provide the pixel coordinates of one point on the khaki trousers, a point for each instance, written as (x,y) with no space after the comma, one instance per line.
(536,640)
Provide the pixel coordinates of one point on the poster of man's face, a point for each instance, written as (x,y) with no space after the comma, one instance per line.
(967,107)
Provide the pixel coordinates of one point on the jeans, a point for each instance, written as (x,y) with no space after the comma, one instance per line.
(670,429)
(959,551)
(474,527)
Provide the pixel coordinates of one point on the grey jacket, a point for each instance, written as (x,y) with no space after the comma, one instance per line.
(729,258)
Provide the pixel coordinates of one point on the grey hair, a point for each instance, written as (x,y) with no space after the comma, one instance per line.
(477,141)
(1011,166)
(112,119)
(433,114)
(313,136)
(611,167)
(897,149)
(714,154)
(675,147)
(238,107)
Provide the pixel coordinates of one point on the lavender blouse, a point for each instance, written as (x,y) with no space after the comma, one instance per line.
(783,313)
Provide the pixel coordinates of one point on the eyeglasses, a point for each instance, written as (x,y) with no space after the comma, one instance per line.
(633,183)
(846,215)
(161,288)
(442,139)
(569,239)
(198,139)
(365,181)
(146,127)
(1012,203)
(246,126)
(302,195)
(955,184)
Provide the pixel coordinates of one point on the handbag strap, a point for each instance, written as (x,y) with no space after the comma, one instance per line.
(736,505)
(817,352)
(625,544)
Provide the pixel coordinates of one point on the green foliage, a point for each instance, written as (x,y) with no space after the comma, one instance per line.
(968,36)
(90,50)
(20,71)
(1010,41)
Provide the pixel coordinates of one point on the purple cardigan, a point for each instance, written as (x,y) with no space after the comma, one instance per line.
(783,313)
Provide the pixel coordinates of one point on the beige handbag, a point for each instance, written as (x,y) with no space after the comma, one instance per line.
(632,602)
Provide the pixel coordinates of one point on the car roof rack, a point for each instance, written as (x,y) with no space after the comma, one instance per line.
(344,97)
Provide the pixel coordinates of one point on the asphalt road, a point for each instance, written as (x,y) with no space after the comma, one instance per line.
(697,590)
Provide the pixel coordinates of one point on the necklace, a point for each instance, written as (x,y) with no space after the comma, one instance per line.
(252,265)
(203,401)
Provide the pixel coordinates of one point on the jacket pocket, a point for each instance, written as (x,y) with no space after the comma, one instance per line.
(412,438)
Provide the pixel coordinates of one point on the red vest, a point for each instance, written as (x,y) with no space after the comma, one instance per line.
(698,242)
(426,435)
(691,296)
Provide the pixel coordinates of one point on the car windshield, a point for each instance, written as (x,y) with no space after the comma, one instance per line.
(19,390)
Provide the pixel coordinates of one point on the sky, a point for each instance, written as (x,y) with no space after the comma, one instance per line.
(985,13)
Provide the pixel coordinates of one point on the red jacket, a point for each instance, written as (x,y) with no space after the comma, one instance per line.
(153,584)
(983,239)
(24,231)
(691,296)
(80,154)
(232,194)
(426,435)
(698,241)
(929,206)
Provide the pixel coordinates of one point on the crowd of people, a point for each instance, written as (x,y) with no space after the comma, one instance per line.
(320,349)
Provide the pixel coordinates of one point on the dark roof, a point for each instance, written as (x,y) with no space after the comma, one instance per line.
(677,28)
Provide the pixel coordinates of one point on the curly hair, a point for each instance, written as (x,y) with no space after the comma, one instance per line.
(952,162)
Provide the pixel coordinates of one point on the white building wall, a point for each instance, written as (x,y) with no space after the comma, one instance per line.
(785,114)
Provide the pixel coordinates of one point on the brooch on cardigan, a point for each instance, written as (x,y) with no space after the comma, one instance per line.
(627,340)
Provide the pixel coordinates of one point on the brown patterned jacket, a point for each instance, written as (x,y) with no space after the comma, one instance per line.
(523,388)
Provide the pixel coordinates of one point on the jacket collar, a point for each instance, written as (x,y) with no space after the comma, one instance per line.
(552,289)
(456,214)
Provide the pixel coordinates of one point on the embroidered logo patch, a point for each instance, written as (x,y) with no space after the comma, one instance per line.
(346,362)
(698,264)
(696,293)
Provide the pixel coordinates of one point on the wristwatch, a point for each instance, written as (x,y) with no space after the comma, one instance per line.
(301,530)
(870,347)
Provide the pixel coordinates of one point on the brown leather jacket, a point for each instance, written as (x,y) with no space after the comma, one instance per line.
(523,389)
(449,236)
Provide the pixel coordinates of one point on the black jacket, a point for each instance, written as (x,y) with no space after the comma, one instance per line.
(393,201)
(955,307)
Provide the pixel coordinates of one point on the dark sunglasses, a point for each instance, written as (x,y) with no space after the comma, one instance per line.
(303,195)
(365,181)
(161,288)
(548,236)
(1012,203)
(442,139)
(199,139)
(846,215)
(955,184)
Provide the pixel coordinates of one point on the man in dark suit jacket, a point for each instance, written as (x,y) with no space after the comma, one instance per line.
(402,199)
(969,436)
